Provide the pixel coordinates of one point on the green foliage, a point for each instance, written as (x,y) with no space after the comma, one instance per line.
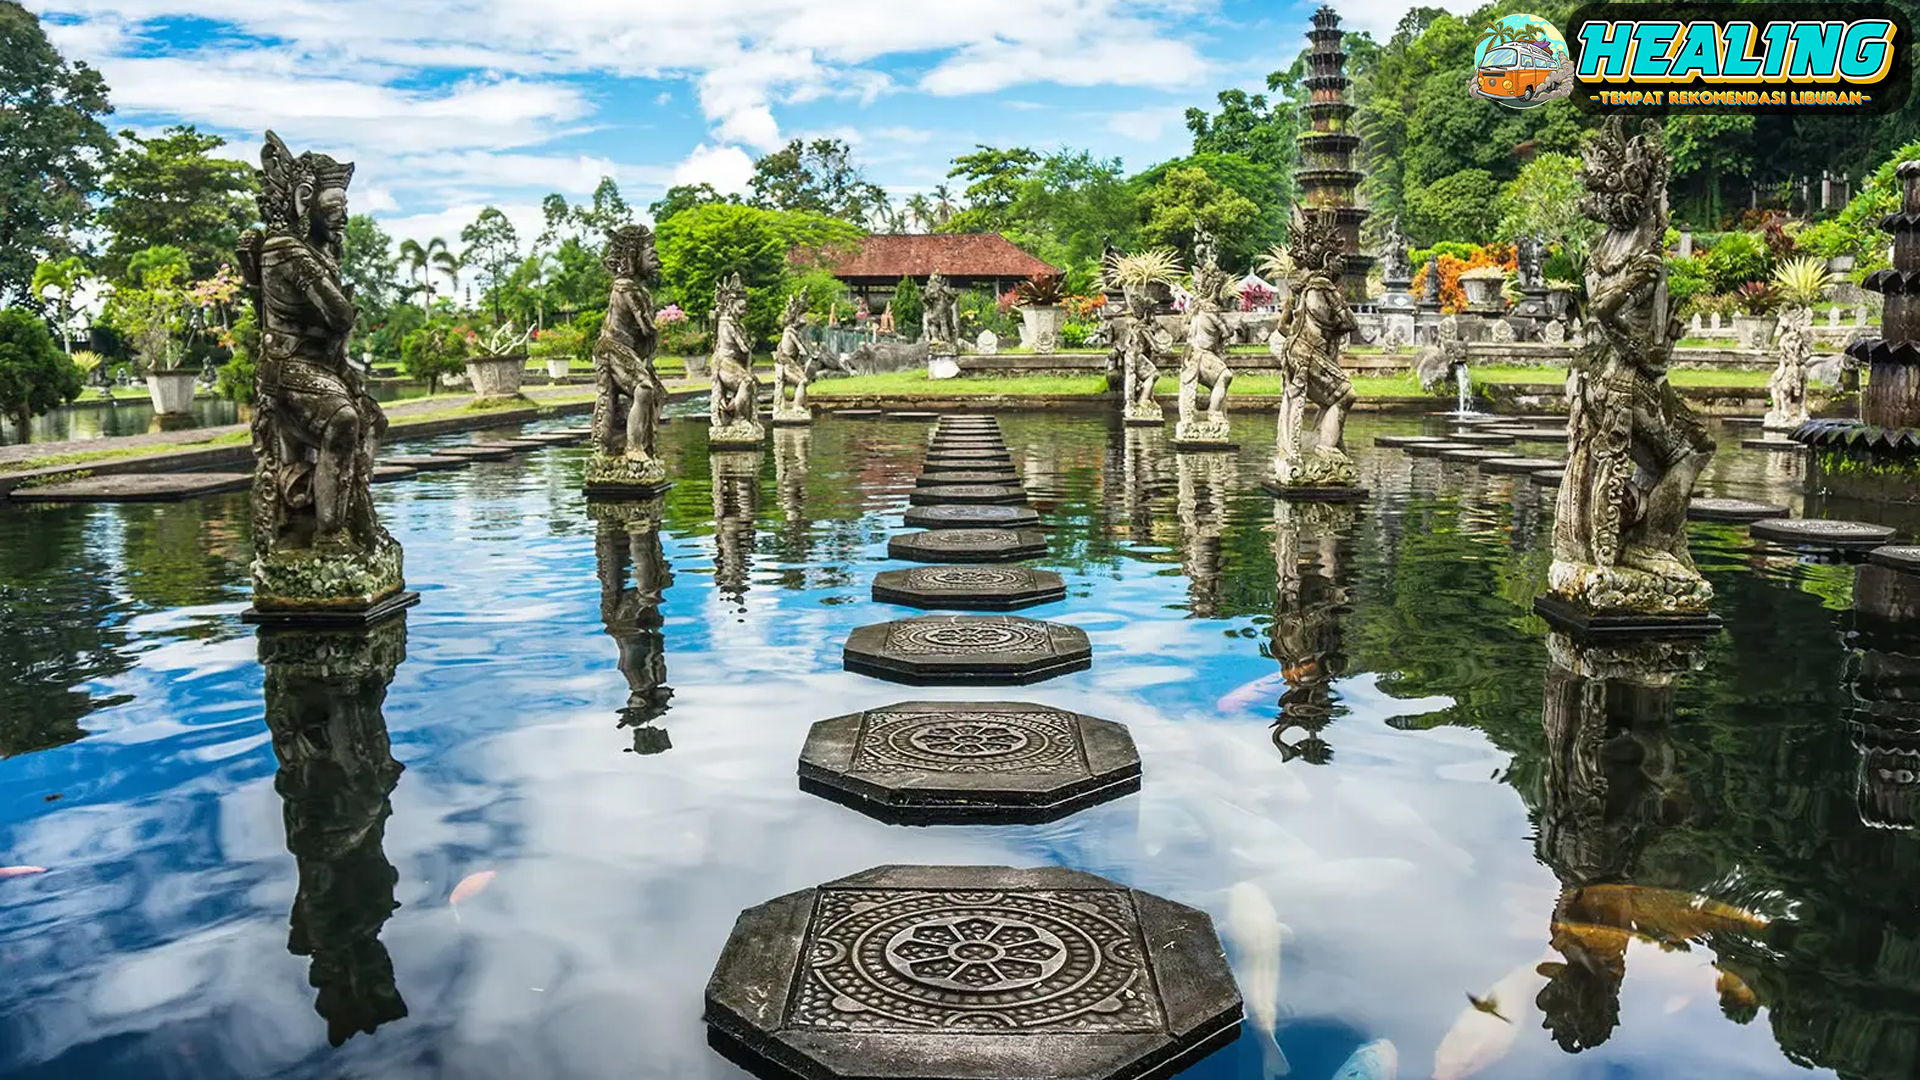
(684,197)
(1802,281)
(1457,249)
(908,309)
(1074,335)
(150,309)
(703,246)
(1855,230)
(1686,280)
(171,190)
(439,348)
(820,287)
(560,341)
(35,375)
(1735,260)
(384,338)
(1184,198)
(1248,126)
(369,269)
(819,177)
(995,179)
(981,310)
(493,246)
(51,146)
(1544,201)
(238,376)
(1456,207)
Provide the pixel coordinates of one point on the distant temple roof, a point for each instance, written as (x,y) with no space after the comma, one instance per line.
(889,258)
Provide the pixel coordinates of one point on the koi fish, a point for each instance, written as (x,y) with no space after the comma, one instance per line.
(1264,690)
(21,871)
(1477,1039)
(1377,1060)
(1255,929)
(470,886)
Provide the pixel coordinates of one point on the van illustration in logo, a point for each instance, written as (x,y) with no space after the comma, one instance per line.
(1521,61)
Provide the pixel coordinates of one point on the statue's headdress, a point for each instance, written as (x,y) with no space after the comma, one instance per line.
(728,294)
(1314,241)
(796,309)
(1622,175)
(288,184)
(625,250)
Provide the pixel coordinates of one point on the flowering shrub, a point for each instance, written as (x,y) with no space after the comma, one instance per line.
(1083,308)
(669,315)
(1254,297)
(1452,297)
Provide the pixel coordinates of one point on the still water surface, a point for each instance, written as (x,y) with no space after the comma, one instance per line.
(226,900)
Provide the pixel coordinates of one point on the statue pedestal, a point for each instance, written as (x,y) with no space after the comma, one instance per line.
(1332,493)
(739,435)
(1149,415)
(325,618)
(943,365)
(785,415)
(1202,435)
(624,477)
(303,587)
(1576,621)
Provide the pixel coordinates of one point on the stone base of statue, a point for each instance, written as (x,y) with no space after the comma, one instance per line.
(739,435)
(785,415)
(1202,435)
(1316,476)
(628,476)
(1782,421)
(1147,415)
(323,588)
(1621,601)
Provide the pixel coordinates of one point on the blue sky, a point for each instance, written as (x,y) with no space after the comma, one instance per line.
(449,105)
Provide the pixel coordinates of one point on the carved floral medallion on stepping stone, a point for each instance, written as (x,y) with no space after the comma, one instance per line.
(983,588)
(971,517)
(948,479)
(961,649)
(967,545)
(967,494)
(1820,533)
(935,763)
(1733,510)
(971,973)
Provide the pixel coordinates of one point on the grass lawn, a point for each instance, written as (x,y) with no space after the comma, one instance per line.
(916,384)
(84,457)
(1732,378)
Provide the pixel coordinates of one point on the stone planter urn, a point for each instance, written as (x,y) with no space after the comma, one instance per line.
(1753,331)
(1040,327)
(559,368)
(172,392)
(1483,293)
(696,367)
(1559,303)
(497,376)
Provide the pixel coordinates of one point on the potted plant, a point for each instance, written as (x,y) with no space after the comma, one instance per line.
(1042,301)
(1753,323)
(1560,294)
(500,367)
(558,345)
(1801,282)
(1484,286)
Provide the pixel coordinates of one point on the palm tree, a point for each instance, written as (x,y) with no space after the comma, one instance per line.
(414,258)
(445,261)
(943,207)
(62,279)
(920,212)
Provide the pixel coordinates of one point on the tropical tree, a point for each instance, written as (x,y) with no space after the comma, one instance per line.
(1544,201)
(684,197)
(820,177)
(448,264)
(413,256)
(61,281)
(35,375)
(920,212)
(171,190)
(493,247)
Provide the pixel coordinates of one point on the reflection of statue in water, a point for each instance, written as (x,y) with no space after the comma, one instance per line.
(1141,349)
(731,418)
(1633,446)
(1305,638)
(1203,520)
(736,500)
(1205,364)
(317,544)
(324,691)
(628,392)
(1314,322)
(1140,477)
(633,576)
(1787,389)
(792,361)
(791,450)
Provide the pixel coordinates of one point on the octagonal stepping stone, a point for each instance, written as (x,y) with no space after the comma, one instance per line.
(1481,438)
(135,487)
(519,445)
(967,545)
(477,452)
(1433,449)
(948,479)
(966,442)
(967,495)
(1002,455)
(968,427)
(1474,421)
(386,472)
(1548,477)
(1519,464)
(1823,534)
(911,415)
(424,462)
(1743,510)
(1772,443)
(948,465)
(971,973)
(1902,557)
(974,454)
(988,762)
(1405,440)
(857,414)
(1471,455)
(1743,421)
(1533,434)
(555,438)
(971,517)
(978,588)
(957,650)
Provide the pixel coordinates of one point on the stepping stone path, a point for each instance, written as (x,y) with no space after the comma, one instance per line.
(424,462)
(912,416)
(1773,443)
(1406,440)
(990,479)
(970,517)
(973,457)
(1532,434)
(1519,464)
(386,472)
(135,487)
(949,465)
(961,650)
(1733,510)
(968,545)
(979,588)
(953,762)
(967,493)
(1902,557)
(1819,534)
(972,973)
(556,438)
(1472,455)
(1480,438)
(856,414)
(1433,449)
(1548,477)
(476,452)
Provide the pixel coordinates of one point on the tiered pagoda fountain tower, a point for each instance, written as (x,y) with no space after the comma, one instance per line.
(1327,176)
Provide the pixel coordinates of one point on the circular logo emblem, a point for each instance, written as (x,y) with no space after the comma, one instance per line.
(1521,61)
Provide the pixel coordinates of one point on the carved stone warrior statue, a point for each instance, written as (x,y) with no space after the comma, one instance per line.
(792,361)
(940,306)
(734,388)
(1633,446)
(1141,349)
(629,394)
(1314,322)
(317,545)
(1205,363)
(1787,389)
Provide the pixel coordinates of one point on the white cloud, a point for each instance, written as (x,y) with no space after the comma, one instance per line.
(1148,61)
(446,224)
(727,168)
(1145,125)
(1379,17)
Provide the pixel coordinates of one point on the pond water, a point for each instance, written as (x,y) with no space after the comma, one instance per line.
(228,900)
(92,418)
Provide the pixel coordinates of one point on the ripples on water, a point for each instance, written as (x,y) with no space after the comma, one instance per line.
(1344,707)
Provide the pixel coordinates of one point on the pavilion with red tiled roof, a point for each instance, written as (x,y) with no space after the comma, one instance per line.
(966,260)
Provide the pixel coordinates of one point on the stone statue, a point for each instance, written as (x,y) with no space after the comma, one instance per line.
(318,547)
(1430,291)
(1140,348)
(1396,269)
(1787,389)
(1314,323)
(628,393)
(732,421)
(941,306)
(792,364)
(1205,363)
(1529,255)
(324,691)
(634,576)
(1435,365)
(1633,446)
